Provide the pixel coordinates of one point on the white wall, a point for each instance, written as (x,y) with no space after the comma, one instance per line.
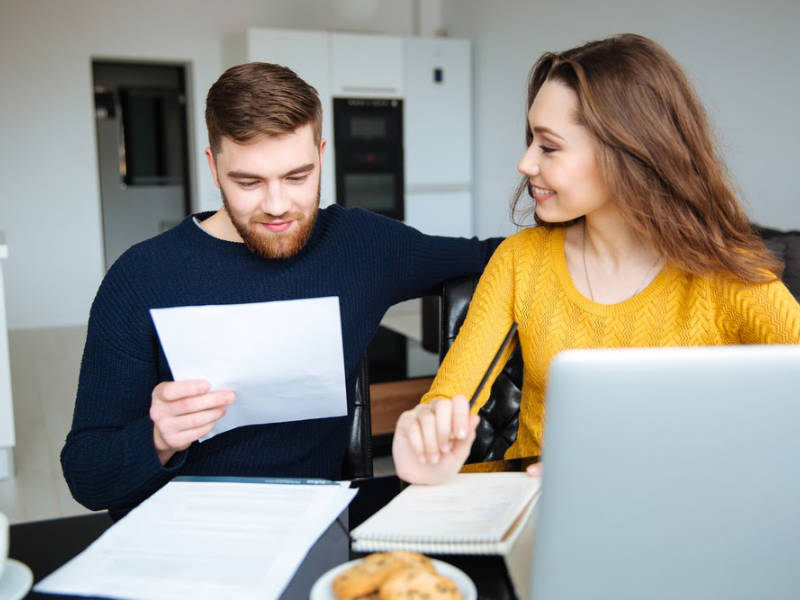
(743,57)
(49,187)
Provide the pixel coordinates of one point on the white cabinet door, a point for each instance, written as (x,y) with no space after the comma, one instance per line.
(306,53)
(366,66)
(437,105)
(7,438)
(440,213)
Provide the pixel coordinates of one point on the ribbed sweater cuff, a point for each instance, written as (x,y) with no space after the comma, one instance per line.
(145,473)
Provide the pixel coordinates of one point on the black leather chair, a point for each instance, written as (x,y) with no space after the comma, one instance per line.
(500,414)
(786,246)
(358,458)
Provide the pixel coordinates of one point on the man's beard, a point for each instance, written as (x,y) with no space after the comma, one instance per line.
(275,245)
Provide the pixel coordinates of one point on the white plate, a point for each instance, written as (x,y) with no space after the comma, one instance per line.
(322,588)
(16,580)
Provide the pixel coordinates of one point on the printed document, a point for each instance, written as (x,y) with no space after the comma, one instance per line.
(283,359)
(205,539)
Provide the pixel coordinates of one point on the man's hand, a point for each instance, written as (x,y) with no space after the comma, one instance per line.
(184,411)
(432,441)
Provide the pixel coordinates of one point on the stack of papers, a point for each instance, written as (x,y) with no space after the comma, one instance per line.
(206,539)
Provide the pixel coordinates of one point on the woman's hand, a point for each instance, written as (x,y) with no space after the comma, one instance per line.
(534,470)
(432,441)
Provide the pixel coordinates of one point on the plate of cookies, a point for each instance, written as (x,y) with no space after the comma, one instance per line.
(389,575)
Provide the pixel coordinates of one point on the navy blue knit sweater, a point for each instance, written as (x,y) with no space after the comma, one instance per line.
(369,262)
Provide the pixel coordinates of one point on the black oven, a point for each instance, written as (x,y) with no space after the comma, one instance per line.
(368,139)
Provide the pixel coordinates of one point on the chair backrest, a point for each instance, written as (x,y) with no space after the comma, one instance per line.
(358,457)
(500,415)
(786,246)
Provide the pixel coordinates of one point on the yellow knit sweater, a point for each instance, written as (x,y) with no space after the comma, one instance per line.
(527,281)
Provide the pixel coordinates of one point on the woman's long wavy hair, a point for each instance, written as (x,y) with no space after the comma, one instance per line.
(656,155)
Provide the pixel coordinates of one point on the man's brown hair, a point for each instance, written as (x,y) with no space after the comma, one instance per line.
(259,98)
(656,155)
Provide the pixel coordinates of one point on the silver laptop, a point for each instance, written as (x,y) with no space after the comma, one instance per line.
(671,473)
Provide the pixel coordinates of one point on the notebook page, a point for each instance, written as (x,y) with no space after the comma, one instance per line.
(473,507)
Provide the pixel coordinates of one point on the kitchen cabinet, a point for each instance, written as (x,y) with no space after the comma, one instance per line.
(437,135)
(437,104)
(366,66)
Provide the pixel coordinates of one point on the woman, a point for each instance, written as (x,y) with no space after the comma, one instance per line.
(640,242)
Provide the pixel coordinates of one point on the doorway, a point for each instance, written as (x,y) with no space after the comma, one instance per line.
(142,151)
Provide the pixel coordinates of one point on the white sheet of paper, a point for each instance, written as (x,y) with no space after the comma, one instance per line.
(208,539)
(283,359)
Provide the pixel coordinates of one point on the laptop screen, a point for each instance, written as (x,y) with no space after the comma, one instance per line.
(671,473)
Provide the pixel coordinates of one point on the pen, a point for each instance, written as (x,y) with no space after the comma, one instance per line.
(503,346)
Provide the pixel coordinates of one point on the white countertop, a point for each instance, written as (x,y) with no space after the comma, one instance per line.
(405,318)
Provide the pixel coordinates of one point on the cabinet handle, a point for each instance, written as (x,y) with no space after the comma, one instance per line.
(433,188)
(352,88)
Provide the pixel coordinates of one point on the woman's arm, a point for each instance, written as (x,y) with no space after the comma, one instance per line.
(433,440)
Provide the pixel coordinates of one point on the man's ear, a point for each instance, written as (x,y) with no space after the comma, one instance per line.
(323,143)
(212,164)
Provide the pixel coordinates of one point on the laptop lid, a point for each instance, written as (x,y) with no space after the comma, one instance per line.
(671,473)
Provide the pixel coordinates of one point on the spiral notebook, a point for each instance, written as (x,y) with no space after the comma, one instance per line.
(474,513)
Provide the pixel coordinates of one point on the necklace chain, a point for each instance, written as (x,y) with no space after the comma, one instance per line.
(642,284)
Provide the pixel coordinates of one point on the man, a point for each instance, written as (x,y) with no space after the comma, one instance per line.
(134,428)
